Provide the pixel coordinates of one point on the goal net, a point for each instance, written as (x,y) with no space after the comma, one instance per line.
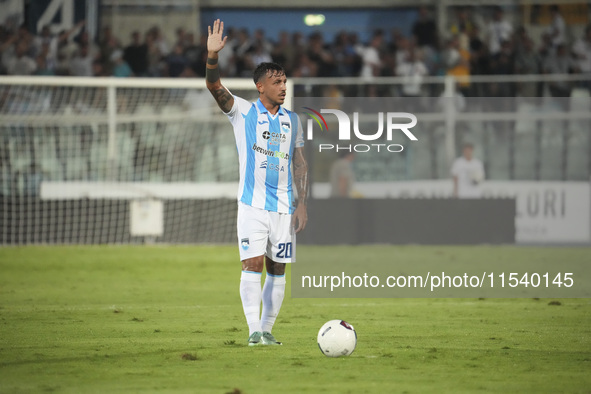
(101,160)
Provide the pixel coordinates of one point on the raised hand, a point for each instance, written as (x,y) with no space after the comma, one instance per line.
(215,42)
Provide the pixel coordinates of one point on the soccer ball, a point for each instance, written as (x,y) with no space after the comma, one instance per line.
(337,338)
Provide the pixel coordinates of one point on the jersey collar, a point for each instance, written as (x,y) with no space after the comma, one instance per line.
(261,108)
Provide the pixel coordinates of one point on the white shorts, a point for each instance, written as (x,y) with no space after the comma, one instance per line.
(262,232)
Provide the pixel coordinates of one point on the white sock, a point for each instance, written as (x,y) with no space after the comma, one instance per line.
(273,293)
(250,293)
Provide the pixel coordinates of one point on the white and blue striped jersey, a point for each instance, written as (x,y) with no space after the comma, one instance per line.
(265,146)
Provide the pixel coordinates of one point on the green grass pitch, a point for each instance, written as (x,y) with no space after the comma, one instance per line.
(126,319)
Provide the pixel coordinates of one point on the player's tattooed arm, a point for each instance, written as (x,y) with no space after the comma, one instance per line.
(224,99)
(300,178)
(221,95)
(300,175)
(215,43)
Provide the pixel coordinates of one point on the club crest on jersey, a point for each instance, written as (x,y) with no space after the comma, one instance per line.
(245,243)
(285,127)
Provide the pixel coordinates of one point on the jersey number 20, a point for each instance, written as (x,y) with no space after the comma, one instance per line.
(284,250)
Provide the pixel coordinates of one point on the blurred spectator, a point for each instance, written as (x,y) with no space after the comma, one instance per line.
(370,57)
(46,43)
(395,36)
(120,67)
(108,44)
(26,38)
(154,55)
(412,69)
(562,63)
(81,63)
(136,55)
(342,176)
(243,43)
(528,62)
(241,48)
(83,39)
(260,55)
(97,69)
(260,39)
(192,53)
(66,49)
(457,62)
(6,50)
(320,55)
(346,59)
(21,63)
(502,63)
(463,24)
(160,41)
(582,54)
(519,38)
(468,174)
(425,35)
(403,46)
(498,31)
(176,62)
(105,40)
(424,30)
(298,42)
(42,67)
(181,37)
(284,53)
(478,53)
(305,67)
(546,49)
(557,30)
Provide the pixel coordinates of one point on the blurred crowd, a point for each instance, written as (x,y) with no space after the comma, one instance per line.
(470,45)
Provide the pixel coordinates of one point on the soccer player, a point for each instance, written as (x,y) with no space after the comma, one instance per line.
(268,138)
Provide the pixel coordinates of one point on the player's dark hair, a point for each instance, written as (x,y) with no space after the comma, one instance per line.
(263,68)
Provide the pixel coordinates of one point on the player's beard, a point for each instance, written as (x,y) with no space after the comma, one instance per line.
(279,100)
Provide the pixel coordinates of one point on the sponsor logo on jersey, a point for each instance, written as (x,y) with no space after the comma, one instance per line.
(272,167)
(274,138)
(270,153)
